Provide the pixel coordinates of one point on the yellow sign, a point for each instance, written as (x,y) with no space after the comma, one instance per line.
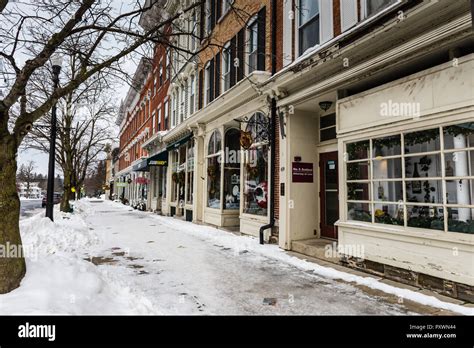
(73,189)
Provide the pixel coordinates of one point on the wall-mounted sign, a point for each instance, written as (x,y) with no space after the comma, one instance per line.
(121,184)
(302,172)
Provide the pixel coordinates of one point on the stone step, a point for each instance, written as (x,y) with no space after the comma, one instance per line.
(317,248)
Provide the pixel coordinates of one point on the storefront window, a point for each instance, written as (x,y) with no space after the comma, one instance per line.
(256,168)
(414,179)
(214,171)
(174,176)
(181,174)
(231,158)
(190,172)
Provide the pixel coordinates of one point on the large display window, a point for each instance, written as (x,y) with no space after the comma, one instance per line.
(422,179)
(232,169)
(256,166)
(214,151)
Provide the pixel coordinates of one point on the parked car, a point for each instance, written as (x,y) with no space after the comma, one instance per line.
(56,199)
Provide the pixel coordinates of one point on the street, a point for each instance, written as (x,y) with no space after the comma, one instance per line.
(29,207)
(183,273)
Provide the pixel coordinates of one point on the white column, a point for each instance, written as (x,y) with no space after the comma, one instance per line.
(462,186)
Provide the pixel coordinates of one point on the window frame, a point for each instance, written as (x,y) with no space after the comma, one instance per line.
(300,27)
(252,33)
(225,75)
(441,179)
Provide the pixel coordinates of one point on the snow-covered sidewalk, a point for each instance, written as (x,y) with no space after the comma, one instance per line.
(109,259)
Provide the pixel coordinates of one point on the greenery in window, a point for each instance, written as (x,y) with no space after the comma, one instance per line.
(358,150)
(421,137)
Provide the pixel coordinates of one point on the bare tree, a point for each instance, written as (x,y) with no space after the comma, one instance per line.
(30,34)
(84,120)
(27,175)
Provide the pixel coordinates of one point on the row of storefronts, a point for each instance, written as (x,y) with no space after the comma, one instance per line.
(363,136)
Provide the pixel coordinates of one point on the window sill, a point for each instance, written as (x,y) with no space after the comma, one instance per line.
(410,232)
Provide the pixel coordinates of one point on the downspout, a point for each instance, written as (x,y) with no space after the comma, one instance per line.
(272,127)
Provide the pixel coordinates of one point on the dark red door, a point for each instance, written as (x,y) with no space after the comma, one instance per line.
(329,194)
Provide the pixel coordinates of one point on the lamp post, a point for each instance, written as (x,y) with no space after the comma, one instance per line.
(56,64)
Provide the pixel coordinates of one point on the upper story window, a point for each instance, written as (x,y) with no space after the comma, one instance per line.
(208,17)
(207,82)
(226,67)
(374,6)
(160,73)
(159,119)
(192,94)
(174,104)
(253,45)
(168,63)
(166,124)
(308,24)
(182,106)
(193,31)
(154,86)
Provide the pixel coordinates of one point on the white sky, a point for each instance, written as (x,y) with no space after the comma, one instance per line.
(40,158)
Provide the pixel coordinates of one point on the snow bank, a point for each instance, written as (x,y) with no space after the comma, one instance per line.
(240,243)
(62,284)
(59,280)
(69,233)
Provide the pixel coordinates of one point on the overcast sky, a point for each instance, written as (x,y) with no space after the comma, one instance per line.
(41,159)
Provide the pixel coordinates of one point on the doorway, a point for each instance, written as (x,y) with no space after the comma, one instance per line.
(329,194)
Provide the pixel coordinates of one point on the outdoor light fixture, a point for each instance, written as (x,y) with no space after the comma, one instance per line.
(325,105)
(56,63)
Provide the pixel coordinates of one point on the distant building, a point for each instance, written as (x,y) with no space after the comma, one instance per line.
(33,191)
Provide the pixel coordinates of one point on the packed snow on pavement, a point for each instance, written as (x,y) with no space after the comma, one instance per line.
(106,258)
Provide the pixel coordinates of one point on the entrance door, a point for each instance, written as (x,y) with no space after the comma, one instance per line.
(329,194)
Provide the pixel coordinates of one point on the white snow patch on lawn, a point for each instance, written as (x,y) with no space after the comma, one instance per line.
(240,243)
(59,280)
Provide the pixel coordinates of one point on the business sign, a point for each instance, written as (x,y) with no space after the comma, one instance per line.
(141,180)
(158,163)
(302,172)
(121,184)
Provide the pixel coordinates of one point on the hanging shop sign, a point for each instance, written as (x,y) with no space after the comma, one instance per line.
(302,172)
(141,180)
(121,184)
(245,139)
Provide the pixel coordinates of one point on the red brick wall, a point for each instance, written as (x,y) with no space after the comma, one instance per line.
(144,118)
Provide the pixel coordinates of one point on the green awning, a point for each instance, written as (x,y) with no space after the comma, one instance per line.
(160,159)
(180,142)
(141,166)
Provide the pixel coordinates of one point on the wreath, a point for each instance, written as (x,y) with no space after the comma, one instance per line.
(181,177)
(211,171)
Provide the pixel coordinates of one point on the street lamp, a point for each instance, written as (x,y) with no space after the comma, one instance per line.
(56,64)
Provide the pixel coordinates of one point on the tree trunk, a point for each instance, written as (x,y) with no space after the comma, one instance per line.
(12,262)
(65,207)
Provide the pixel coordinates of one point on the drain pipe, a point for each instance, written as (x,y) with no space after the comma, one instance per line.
(272,127)
(272,172)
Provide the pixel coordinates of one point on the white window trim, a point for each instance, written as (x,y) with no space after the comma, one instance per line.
(297,30)
(223,77)
(207,77)
(252,21)
(442,151)
(363,9)
(192,93)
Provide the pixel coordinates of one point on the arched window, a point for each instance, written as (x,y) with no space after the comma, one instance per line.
(214,170)
(256,187)
(232,169)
